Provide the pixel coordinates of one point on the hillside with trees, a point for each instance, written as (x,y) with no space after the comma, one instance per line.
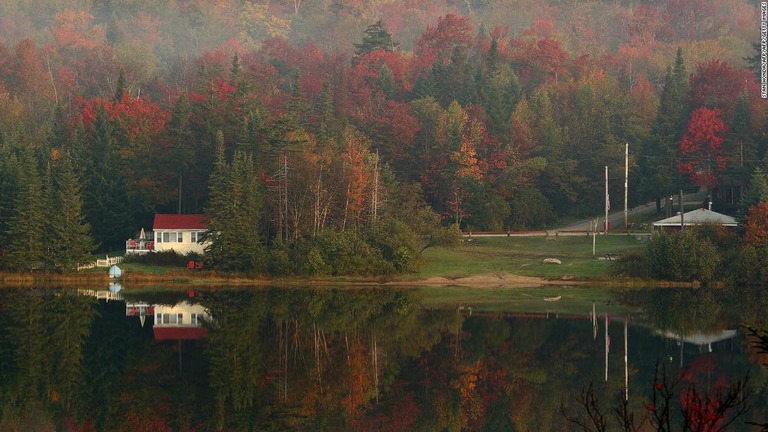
(339,137)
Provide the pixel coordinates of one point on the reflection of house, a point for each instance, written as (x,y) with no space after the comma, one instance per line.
(696,217)
(180,233)
(701,340)
(180,321)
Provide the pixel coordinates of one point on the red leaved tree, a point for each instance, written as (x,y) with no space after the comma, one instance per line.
(756,226)
(701,151)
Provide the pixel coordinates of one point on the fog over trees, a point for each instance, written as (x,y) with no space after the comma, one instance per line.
(491,115)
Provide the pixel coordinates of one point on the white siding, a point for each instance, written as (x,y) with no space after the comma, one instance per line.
(172,236)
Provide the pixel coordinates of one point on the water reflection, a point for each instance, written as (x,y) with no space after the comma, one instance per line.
(343,359)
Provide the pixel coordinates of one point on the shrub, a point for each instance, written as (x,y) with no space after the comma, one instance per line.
(164,258)
(686,255)
(632,264)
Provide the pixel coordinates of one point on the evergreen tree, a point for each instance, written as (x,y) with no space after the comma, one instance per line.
(105,197)
(499,91)
(297,107)
(70,236)
(658,167)
(385,83)
(741,143)
(26,243)
(9,189)
(120,87)
(182,156)
(234,211)
(376,37)
(326,128)
(757,191)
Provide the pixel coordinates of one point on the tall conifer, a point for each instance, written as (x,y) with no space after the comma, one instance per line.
(70,236)
(27,245)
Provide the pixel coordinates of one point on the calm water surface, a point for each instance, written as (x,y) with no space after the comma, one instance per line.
(362,359)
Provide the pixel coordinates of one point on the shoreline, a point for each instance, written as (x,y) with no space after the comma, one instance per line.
(174,280)
(183,280)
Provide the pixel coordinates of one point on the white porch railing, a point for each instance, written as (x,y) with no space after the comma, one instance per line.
(106,262)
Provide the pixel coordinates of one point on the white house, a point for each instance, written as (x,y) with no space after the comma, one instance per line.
(180,321)
(696,217)
(180,233)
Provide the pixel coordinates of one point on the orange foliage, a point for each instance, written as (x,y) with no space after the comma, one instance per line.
(358,381)
(756,226)
(74,30)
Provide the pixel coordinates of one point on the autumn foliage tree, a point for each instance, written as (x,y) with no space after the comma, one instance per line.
(702,156)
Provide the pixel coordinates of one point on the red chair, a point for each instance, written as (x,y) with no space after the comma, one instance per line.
(151,245)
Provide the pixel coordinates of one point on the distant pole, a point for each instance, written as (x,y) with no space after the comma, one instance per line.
(607,342)
(626,185)
(607,202)
(594,235)
(682,212)
(626,358)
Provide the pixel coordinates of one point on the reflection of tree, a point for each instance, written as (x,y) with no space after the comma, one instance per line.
(42,346)
(683,311)
(317,357)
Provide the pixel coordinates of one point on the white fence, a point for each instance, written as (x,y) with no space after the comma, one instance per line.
(100,295)
(107,262)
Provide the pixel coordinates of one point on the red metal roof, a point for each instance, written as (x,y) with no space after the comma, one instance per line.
(177,333)
(177,221)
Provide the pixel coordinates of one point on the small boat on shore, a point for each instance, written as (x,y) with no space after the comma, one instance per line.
(552,298)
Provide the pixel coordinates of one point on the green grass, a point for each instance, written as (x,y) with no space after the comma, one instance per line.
(574,300)
(151,269)
(524,255)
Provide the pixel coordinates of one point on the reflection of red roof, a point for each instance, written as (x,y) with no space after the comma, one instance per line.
(176,333)
(176,221)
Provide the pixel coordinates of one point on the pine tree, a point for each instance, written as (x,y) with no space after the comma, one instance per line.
(218,207)
(105,197)
(234,211)
(385,83)
(658,170)
(297,107)
(70,236)
(376,37)
(26,247)
(181,155)
(9,189)
(120,87)
(757,191)
(324,113)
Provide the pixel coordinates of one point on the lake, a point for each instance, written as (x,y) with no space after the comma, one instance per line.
(372,359)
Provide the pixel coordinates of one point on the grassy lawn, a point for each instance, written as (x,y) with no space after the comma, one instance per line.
(524,255)
(574,300)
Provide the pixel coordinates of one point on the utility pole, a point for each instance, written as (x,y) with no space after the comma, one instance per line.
(626,358)
(682,212)
(594,235)
(626,185)
(607,202)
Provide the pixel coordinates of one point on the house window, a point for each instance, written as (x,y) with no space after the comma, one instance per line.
(194,235)
(180,237)
(158,237)
(166,237)
(181,318)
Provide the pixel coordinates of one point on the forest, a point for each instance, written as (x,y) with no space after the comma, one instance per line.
(338,136)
